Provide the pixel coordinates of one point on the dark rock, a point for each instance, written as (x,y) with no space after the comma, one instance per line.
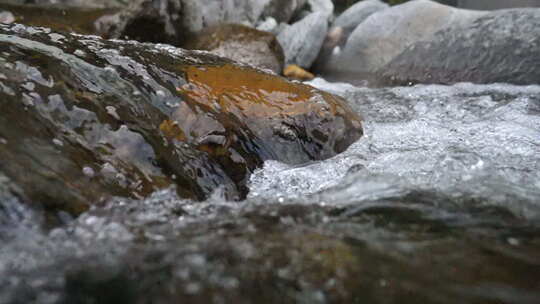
(146,21)
(302,41)
(501,46)
(324,6)
(496,4)
(282,10)
(72,3)
(58,17)
(240,43)
(82,119)
(169,21)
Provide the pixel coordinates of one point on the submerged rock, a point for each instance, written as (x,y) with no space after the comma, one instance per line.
(501,46)
(302,41)
(240,43)
(82,119)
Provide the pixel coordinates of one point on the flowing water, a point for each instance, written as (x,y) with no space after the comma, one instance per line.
(438,203)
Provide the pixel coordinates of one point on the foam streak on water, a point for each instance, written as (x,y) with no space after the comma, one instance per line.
(473,141)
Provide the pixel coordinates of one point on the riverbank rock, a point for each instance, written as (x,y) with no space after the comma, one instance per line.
(387,33)
(240,43)
(170,21)
(324,6)
(73,3)
(83,119)
(357,14)
(302,40)
(501,46)
(77,19)
(342,28)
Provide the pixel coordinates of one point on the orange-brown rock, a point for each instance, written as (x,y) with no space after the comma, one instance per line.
(85,119)
(293,71)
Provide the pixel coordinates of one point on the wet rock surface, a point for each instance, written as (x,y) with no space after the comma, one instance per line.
(501,46)
(83,119)
(170,21)
(240,43)
(439,204)
(65,18)
(72,3)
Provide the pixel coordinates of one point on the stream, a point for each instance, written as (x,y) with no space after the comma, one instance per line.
(439,202)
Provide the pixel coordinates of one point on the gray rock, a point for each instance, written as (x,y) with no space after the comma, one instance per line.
(323,6)
(343,26)
(357,14)
(302,41)
(501,46)
(387,33)
(6,17)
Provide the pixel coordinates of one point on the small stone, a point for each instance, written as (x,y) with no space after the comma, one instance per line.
(88,171)
(295,72)
(6,17)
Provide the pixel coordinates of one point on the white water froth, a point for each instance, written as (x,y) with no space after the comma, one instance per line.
(465,142)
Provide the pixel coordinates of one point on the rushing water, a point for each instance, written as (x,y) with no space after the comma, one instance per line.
(438,203)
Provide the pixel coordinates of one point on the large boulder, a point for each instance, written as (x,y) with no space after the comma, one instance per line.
(240,43)
(324,6)
(387,33)
(357,14)
(302,41)
(83,119)
(342,28)
(501,46)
